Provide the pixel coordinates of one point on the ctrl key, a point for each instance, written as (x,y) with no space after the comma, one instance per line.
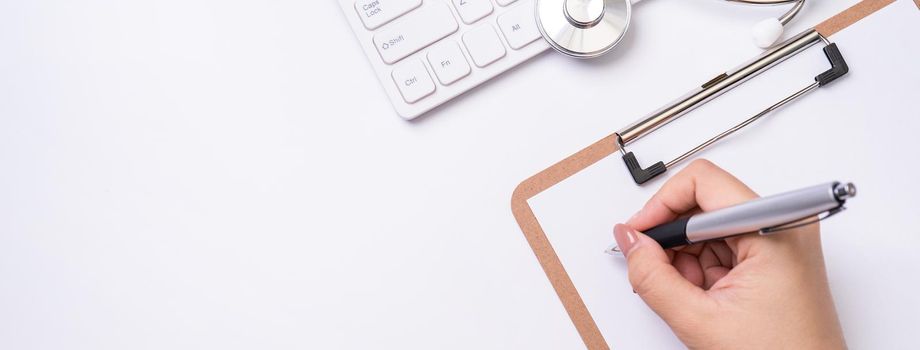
(413,80)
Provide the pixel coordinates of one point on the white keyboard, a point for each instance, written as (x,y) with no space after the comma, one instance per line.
(428,52)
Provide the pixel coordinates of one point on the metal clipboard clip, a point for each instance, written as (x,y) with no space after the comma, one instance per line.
(719,85)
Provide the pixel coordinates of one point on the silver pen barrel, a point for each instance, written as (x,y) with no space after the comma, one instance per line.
(767,212)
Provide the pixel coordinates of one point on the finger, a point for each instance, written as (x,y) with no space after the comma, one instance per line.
(712,268)
(693,249)
(702,184)
(657,282)
(689,267)
(722,252)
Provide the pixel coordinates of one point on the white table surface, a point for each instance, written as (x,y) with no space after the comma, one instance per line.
(229,174)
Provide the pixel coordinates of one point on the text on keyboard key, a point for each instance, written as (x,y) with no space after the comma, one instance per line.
(415,31)
(375,13)
(519,25)
(484,45)
(413,80)
(473,10)
(448,62)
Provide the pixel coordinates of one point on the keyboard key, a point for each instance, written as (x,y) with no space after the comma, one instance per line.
(473,10)
(375,13)
(413,80)
(415,31)
(448,62)
(484,45)
(427,54)
(519,25)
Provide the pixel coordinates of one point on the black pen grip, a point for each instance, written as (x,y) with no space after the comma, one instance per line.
(670,235)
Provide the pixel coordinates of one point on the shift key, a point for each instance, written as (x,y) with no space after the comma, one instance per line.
(415,31)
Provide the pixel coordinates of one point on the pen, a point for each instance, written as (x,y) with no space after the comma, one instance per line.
(765,215)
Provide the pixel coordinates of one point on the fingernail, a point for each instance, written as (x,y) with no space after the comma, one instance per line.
(625,237)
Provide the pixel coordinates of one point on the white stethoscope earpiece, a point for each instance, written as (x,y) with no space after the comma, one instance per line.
(590,28)
(767,32)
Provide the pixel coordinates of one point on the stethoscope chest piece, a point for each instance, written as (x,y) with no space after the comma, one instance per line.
(583,28)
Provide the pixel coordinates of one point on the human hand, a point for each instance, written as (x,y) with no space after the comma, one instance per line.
(746,292)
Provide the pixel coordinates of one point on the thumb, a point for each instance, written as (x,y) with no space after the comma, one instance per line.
(657,282)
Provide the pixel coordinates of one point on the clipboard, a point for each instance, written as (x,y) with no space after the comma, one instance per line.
(610,146)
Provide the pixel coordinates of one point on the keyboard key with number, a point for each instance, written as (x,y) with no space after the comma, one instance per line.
(433,52)
(413,80)
(473,10)
(375,13)
(414,32)
(484,45)
(448,62)
(519,26)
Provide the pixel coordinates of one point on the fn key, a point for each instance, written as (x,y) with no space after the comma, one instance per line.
(413,80)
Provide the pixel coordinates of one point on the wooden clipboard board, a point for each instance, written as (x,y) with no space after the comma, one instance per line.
(581,160)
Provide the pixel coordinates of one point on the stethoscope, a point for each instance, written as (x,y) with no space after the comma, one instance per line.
(590,28)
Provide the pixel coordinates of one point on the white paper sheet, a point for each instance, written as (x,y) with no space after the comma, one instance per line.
(845,131)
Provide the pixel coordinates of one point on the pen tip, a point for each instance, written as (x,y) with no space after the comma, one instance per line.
(613,250)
